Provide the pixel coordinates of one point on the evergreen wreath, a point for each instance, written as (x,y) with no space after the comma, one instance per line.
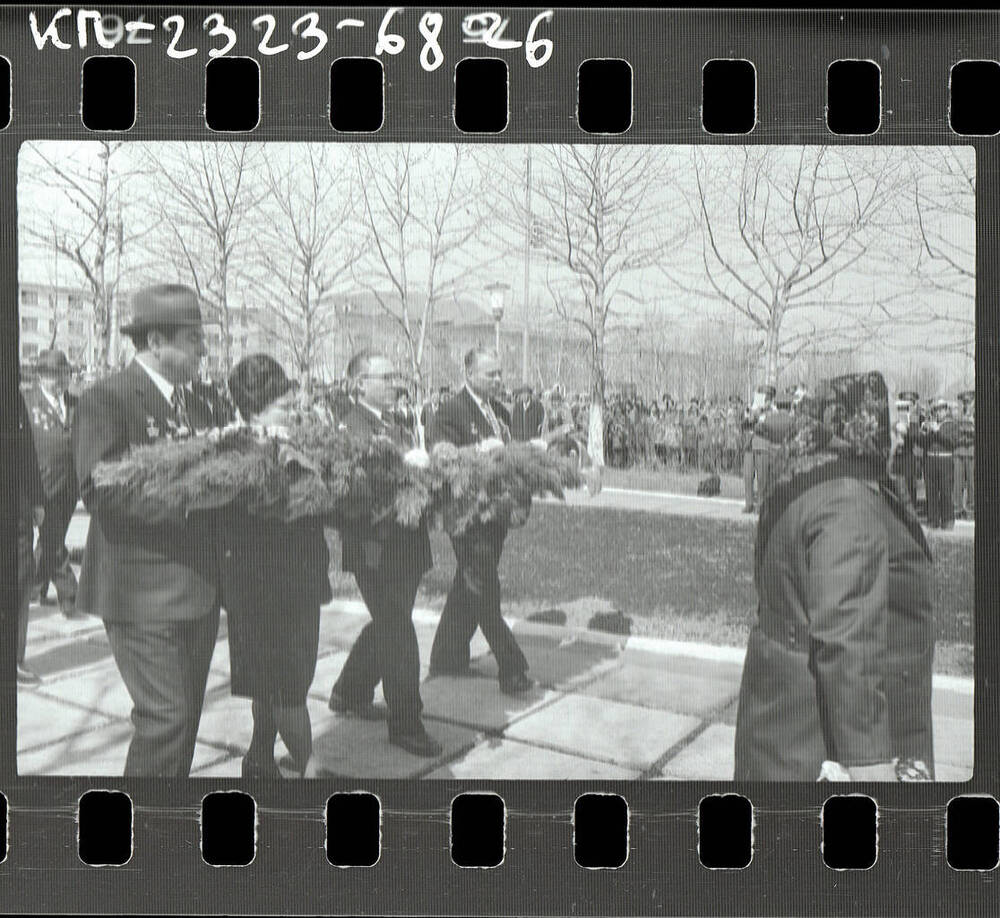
(317,471)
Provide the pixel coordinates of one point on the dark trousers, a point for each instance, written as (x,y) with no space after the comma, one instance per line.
(51,556)
(474,602)
(965,485)
(165,667)
(756,464)
(25,578)
(939,478)
(386,650)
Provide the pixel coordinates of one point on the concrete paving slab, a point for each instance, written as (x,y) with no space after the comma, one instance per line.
(598,728)
(477,702)
(328,668)
(41,719)
(499,759)
(226,721)
(953,704)
(360,748)
(47,623)
(55,657)
(668,686)
(101,691)
(100,751)
(710,757)
(559,660)
(952,772)
(222,766)
(340,622)
(953,741)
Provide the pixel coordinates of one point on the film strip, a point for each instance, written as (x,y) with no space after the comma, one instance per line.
(607,787)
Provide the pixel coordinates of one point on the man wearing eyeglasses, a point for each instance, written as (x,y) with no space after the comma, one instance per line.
(475,416)
(388,561)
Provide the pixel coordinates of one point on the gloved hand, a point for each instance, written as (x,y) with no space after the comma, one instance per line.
(490,444)
(539,443)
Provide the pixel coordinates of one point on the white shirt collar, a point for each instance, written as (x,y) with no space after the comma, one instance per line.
(54,400)
(159,380)
(372,409)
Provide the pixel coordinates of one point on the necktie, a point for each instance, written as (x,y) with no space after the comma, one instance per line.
(179,403)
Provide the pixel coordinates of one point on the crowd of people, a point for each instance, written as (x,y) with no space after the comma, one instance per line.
(838,671)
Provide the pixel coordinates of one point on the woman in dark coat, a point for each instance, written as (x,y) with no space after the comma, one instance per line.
(837,679)
(275,578)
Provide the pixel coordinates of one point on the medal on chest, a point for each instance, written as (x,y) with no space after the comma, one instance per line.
(152,431)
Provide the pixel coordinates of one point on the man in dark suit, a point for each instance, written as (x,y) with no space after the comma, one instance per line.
(475,417)
(388,561)
(51,409)
(527,416)
(30,513)
(154,581)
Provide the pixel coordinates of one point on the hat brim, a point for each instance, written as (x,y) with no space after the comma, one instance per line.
(178,323)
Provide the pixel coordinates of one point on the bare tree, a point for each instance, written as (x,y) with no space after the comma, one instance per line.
(307,250)
(88,230)
(793,241)
(601,213)
(202,197)
(944,202)
(421,207)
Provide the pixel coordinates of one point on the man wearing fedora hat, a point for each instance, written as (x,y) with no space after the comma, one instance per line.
(154,582)
(51,407)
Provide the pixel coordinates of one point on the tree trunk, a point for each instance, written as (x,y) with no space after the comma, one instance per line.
(595,430)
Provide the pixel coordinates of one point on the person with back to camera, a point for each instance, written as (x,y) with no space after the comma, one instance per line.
(275,577)
(837,679)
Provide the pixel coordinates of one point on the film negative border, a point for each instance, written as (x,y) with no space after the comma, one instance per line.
(666,51)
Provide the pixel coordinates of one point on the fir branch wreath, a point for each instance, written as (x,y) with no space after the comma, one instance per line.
(317,471)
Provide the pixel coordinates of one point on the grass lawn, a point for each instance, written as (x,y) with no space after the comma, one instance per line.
(670,480)
(677,577)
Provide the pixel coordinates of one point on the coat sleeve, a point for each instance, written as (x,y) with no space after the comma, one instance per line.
(848,596)
(31,478)
(445,427)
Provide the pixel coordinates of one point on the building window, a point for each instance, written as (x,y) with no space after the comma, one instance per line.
(52,299)
(30,350)
(75,299)
(29,324)
(29,298)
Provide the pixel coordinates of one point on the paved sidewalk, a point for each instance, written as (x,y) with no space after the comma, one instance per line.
(606,707)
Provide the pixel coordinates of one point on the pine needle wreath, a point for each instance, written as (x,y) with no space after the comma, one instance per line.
(316,471)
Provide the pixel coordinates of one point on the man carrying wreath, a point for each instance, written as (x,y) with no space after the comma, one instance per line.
(474,416)
(388,561)
(155,583)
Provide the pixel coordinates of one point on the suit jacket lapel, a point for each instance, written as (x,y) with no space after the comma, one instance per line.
(150,408)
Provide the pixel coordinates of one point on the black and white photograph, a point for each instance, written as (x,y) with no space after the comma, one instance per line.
(496,461)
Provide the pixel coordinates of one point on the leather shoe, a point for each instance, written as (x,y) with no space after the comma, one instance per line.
(251,768)
(27,676)
(419,743)
(515,685)
(69,611)
(366,710)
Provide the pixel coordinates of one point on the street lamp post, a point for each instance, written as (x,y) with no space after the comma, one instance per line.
(496,291)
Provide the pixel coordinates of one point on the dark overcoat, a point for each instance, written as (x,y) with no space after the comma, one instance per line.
(838,665)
